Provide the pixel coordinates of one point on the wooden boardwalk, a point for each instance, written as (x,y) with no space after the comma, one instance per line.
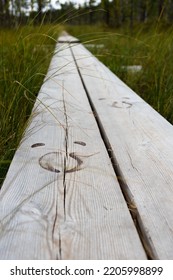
(93,175)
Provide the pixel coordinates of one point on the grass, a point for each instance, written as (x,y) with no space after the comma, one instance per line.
(25,54)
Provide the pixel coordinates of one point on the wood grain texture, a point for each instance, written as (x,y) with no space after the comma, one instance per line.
(142,146)
(61,198)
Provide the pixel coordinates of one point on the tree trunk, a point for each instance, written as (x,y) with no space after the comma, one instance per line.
(40,6)
(6,13)
(142,10)
(161,4)
(131,14)
(105,6)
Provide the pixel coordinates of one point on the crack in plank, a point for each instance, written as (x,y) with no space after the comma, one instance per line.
(66,150)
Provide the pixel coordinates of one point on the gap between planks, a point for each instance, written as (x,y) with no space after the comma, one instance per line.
(151,254)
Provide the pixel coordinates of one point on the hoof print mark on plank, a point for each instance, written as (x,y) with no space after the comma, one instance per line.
(54,162)
(128,104)
(78,163)
(49,162)
(114,104)
(37,145)
(124,104)
(80,160)
(80,143)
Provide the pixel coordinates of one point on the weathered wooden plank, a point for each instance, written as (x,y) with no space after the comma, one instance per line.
(61,198)
(142,149)
(66,38)
(31,196)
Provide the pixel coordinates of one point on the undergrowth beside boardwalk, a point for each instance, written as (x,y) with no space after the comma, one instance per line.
(25,55)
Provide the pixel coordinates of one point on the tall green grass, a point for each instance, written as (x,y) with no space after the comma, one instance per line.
(25,54)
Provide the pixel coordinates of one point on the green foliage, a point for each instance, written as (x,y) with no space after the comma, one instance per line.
(24,59)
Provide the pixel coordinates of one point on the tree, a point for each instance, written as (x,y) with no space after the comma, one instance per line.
(41,5)
(142,10)
(117,12)
(131,14)
(161,6)
(1,11)
(91,8)
(105,4)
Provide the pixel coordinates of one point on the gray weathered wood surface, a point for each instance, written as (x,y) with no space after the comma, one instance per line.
(61,198)
(66,38)
(142,148)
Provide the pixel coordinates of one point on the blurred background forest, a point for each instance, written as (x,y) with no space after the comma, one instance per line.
(113,13)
